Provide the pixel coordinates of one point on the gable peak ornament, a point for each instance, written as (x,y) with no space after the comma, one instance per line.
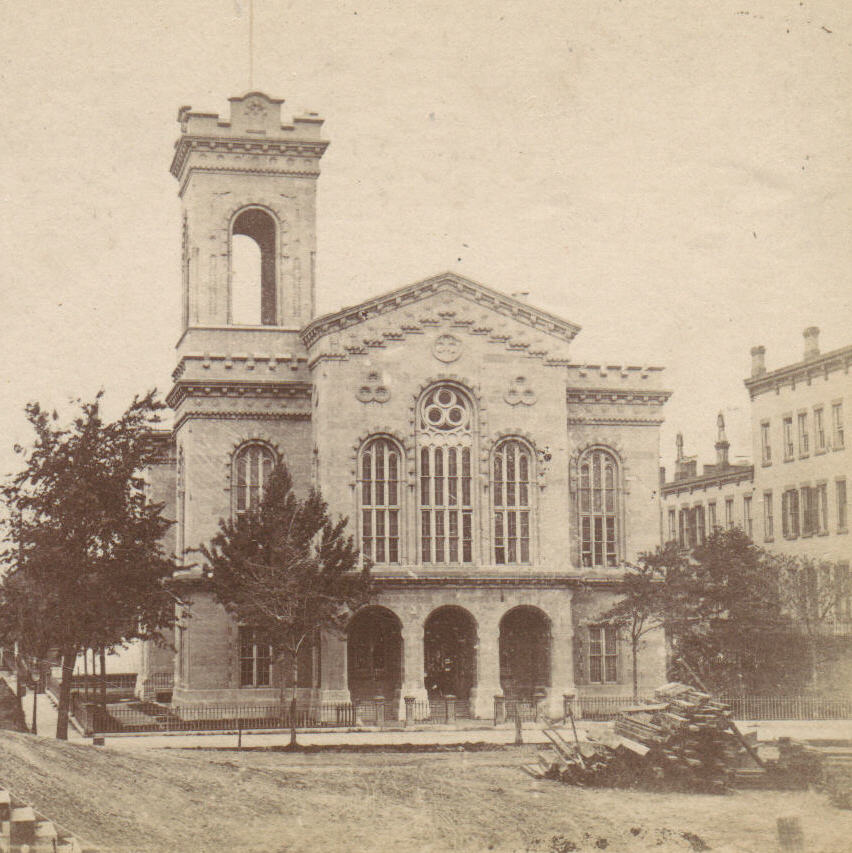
(520,392)
(447,348)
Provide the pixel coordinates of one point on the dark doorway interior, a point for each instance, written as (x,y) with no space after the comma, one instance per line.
(449,648)
(374,655)
(524,653)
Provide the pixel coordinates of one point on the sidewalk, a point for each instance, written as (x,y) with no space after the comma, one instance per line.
(46,715)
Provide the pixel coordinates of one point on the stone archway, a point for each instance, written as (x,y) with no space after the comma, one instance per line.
(374,655)
(525,648)
(449,649)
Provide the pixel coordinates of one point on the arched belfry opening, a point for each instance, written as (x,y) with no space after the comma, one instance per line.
(253,277)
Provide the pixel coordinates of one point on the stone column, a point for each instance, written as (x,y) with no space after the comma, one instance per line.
(334,677)
(561,658)
(413,675)
(487,667)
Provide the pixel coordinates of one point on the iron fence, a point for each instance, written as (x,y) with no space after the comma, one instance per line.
(743,707)
(510,710)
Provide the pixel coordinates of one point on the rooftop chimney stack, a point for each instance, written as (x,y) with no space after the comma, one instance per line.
(758,361)
(811,336)
(722,443)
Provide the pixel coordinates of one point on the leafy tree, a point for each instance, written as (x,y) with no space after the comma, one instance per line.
(288,571)
(82,539)
(811,592)
(641,609)
(724,613)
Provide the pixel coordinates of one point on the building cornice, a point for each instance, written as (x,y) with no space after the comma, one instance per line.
(291,148)
(618,396)
(248,414)
(800,372)
(346,318)
(731,476)
(592,421)
(237,389)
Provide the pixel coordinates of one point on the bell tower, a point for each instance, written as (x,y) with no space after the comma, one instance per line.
(248,177)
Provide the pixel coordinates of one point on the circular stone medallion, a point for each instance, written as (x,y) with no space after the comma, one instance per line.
(447,348)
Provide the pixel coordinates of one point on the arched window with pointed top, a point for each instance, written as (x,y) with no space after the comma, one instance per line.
(252,465)
(598,505)
(253,276)
(380,467)
(445,441)
(511,489)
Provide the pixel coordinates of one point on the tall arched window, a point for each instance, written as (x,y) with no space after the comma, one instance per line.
(252,466)
(598,508)
(511,469)
(381,463)
(253,268)
(445,460)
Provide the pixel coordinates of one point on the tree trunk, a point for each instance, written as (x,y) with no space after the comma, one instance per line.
(634,648)
(34,726)
(22,679)
(86,675)
(295,676)
(814,656)
(68,659)
(103,682)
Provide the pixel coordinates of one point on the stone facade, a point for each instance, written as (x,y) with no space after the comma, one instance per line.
(499,487)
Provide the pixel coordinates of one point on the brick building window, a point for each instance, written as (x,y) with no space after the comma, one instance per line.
(603,654)
(808,510)
(700,525)
(790,513)
(511,489)
(765,443)
(837,436)
(804,438)
(598,506)
(840,496)
(819,430)
(712,522)
(381,463)
(253,464)
(255,658)
(672,525)
(748,523)
(729,513)
(445,445)
(768,518)
(789,449)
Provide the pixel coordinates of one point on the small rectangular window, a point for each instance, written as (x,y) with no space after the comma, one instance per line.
(672,525)
(790,513)
(808,514)
(729,512)
(712,523)
(768,518)
(837,436)
(603,654)
(700,524)
(789,450)
(840,495)
(747,520)
(255,659)
(819,430)
(804,438)
(765,443)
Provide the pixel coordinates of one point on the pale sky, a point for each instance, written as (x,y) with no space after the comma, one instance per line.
(673,176)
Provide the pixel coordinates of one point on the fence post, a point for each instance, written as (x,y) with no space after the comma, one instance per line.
(570,707)
(409,710)
(499,709)
(451,708)
(380,710)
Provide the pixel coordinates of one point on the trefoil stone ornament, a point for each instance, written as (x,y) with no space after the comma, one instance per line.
(373,390)
(520,392)
(447,348)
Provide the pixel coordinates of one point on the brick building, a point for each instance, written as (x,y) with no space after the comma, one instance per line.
(498,486)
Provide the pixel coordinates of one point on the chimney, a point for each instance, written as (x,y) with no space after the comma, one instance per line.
(811,336)
(758,361)
(722,443)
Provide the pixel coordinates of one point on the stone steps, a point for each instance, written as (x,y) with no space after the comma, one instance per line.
(23,830)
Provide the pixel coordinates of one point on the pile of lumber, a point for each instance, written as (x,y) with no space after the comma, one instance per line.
(683,739)
(688,736)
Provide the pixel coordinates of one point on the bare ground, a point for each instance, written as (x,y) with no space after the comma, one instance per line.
(192,800)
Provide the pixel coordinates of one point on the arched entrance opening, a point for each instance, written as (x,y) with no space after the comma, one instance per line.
(524,653)
(449,648)
(374,655)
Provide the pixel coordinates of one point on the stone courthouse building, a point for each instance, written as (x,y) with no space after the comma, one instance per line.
(498,487)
